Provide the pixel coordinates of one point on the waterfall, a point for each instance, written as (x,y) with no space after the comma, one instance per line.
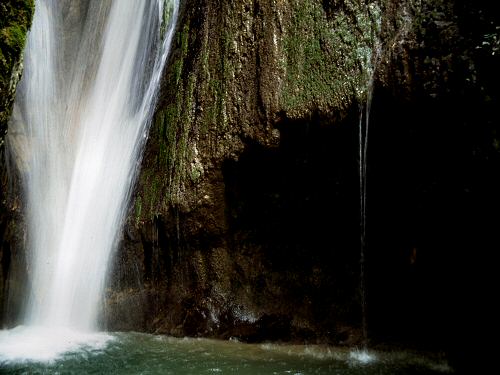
(81,118)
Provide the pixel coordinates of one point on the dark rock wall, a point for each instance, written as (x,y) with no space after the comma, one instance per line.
(15,20)
(246,218)
(433,190)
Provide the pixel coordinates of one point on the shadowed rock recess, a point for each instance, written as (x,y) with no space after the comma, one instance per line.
(245,218)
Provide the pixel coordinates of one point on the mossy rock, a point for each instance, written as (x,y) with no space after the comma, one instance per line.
(15,20)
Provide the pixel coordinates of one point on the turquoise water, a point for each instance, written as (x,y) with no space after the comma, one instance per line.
(135,353)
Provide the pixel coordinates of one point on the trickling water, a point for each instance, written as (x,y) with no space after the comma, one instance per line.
(364,120)
(91,77)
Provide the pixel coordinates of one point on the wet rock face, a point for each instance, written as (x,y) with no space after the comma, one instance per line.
(15,19)
(246,213)
(228,223)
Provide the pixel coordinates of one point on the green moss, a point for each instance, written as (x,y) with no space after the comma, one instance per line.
(327,57)
(195,174)
(175,121)
(178,67)
(14,37)
(15,20)
(168,10)
(138,210)
(185,40)
(171,127)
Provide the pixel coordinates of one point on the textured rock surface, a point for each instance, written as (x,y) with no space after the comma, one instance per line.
(245,222)
(15,19)
(231,171)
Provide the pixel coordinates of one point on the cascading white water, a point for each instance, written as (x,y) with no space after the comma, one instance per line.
(91,78)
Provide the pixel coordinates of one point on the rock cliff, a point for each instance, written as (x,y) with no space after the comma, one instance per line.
(15,20)
(245,220)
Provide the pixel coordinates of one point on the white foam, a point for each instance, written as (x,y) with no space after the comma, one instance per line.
(361,356)
(44,344)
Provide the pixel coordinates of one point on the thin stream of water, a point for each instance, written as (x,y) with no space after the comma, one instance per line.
(364,122)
